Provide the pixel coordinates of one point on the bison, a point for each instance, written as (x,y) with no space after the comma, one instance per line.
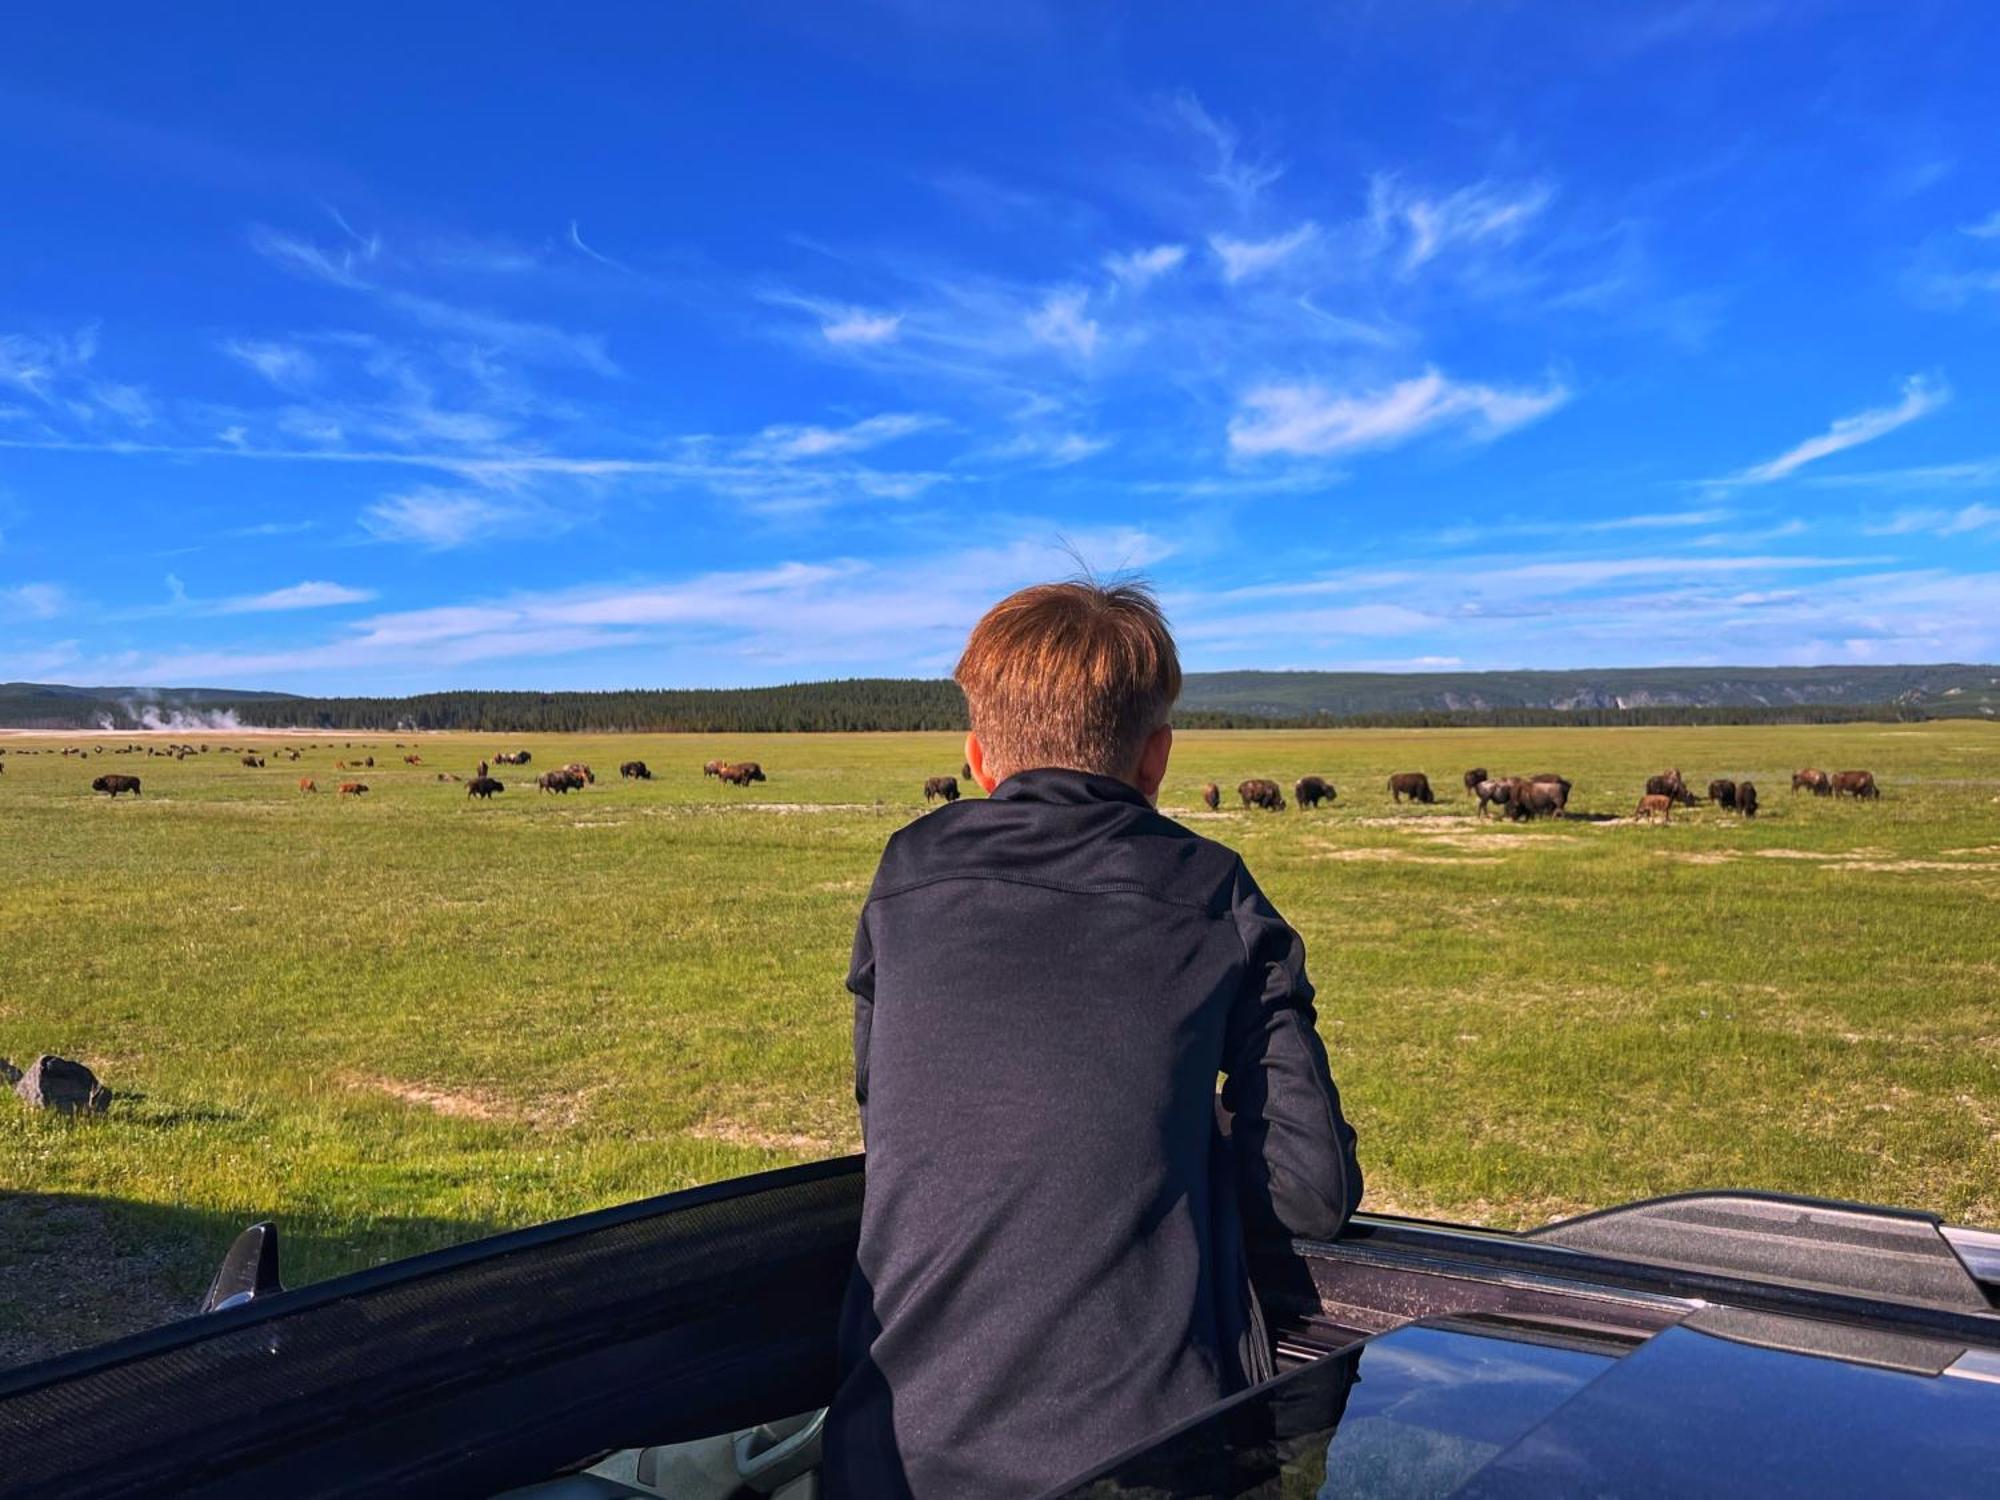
(1211,795)
(1722,793)
(512,758)
(111,786)
(561,781)
(1498,792)
(255,762)
(965,770)
(941,786)
(307,784)
(1654,807)
(714,767)
(1310,791)
(1473,777)
(1857,784)
(1813,780)
(1746,798)
(1538,799)
(1671,786)
(353,788)
(582,772)
(413,760)
(635,770)
(1412,784)
(483,769)
(742,774)
(1258,792)
(483,787)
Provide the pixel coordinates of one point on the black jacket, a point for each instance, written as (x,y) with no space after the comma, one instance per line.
(1047,983)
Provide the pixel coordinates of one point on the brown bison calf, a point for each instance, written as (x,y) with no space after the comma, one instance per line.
(1654,807)
(307,784)
(1258,792)
(111,786)
(1211,795)
(1746,798)
(941,786)
(1722,793)
(1412,784)
(1313,790)
(1857,784)
(713,767)
(1813,780)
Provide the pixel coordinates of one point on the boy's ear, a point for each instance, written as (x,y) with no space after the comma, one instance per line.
(975,757)
(1153,762)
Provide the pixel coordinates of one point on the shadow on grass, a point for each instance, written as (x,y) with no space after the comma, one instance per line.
(78,1270)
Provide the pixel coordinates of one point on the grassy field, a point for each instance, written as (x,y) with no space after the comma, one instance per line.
(410,1019)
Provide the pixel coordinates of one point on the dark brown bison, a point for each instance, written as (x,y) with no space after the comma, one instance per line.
(1473,777)
(742,773)
(483,768)
(1746,798)
(1722,793)
(483,787)
(1813,780)
(1669,785)
(941,786)
(560,781)
(1258,792)
(1654,807)
(255,762)
(1412,784)
(1860,784)
(635,770)
(368,761)
(512,758)
(353,788)
(1211,795)
(1310,791)
(111,786)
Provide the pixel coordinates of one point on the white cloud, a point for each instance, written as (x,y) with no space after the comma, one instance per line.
(34,601)
(304,258)
(1242,180)
(312,594)
(787,442)
(1138,267)
(285,365)
(1939,522)
(1310,420)
(858,327)
(1430,226)
(1060,321)
(442,519)
(1243,258)
(1987,228)
(1054,449)
(1919,399)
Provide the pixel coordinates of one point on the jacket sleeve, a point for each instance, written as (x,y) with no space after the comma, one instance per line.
(861,984)
(1296,1171)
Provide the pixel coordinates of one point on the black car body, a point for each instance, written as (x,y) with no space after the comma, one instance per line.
(1737,1344)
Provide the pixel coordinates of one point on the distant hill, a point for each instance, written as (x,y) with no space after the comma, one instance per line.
(1631,695)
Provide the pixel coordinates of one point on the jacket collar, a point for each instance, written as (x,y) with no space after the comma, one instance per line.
(1056,785)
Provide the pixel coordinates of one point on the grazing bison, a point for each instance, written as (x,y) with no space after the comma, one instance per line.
(635,770)
(113,785)
(512,758)
(307,784)
(1859,784)
(1813,780)
(742,774)
(1670,786)
(1654,807)
(1746,798)
(1211,795)
(1476,775)
(713,767)
(255,762)
(582,772)
(941,786)
(1722,793)
(1412,784)
(1258,792)
(483,787)
(353,788)
(561,781)
(413,760)
(1310,791)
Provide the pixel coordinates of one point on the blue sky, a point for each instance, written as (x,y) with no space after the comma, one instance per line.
(383,348)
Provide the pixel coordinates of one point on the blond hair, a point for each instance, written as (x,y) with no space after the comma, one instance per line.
(1071,675)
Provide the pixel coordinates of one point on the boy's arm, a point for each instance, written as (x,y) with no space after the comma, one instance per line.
(1296,1170)
(861,984)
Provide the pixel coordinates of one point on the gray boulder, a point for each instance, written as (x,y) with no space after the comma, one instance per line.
(59,1084)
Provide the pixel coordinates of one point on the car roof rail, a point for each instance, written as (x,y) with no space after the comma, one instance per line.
(1823,1245)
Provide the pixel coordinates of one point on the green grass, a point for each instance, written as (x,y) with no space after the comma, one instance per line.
(411,1019)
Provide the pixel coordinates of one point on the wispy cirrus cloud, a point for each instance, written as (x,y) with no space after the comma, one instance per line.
(1920,399)
(442,519)
(1959,521)
(1242,259)
(286,366)
(1419,227)
(858,327)
(312,594)
(1062,323)
(1242,178)
(788,442)
(1137,267)
(34,601)
(1311,420)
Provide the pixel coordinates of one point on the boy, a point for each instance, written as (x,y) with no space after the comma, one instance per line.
(1047,983)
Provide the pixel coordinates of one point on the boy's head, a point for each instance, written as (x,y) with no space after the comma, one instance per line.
(1080,676)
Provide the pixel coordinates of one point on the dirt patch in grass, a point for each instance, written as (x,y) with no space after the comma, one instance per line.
(1405,857)
(456,1104)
